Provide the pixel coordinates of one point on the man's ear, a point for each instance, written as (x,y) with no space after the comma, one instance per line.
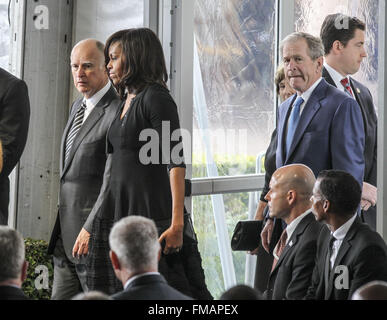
(292,196)
(326,205)
(114,259)
(24,271)
(337,46)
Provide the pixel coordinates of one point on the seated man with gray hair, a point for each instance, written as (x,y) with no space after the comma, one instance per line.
(13,267)
(134,253)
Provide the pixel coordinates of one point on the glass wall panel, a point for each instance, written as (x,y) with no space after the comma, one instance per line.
(4,35)
(309,16)
(233,84)
(236,208)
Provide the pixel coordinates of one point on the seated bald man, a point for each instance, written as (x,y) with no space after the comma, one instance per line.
(289,198)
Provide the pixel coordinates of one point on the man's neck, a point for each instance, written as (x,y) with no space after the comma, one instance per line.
(333,63)
(11,283)
(126,275)
(337,221)
(295,213)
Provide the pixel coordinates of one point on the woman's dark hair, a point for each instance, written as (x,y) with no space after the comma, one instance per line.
(143,59)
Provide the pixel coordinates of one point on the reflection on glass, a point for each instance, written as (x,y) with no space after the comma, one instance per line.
(309,16)
(234,119)
(236,206)
(4,35)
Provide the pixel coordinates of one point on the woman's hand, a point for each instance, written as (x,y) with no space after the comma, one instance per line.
(173,237)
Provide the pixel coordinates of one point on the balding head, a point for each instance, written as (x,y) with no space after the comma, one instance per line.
(291,188)
(375,290)
(88,67)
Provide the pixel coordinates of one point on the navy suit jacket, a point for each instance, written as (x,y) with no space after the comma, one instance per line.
(329,135)
(150,287)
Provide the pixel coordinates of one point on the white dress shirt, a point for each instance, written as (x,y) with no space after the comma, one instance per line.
(340,234)
(290,229)
(337,77)
(93,101)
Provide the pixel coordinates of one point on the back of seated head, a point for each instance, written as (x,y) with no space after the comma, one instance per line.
(91,295)
(12,254)
(374,290)
(134,240)
(241,292)
(341,189)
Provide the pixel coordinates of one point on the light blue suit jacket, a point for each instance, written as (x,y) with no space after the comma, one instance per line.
(329,135)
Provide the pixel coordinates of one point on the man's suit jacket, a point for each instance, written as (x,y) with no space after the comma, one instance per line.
(329,135)
(150,287)
(11,293)
(14,121)
(362,255)
(292,274)
(364,99)
(82,175)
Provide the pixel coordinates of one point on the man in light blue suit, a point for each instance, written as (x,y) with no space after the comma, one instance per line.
(319,126)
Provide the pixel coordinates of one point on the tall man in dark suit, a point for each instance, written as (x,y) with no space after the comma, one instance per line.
(82,166)
(135,252)
(343,38)
(289,199)
(349,253)
(14,121)
(13,267)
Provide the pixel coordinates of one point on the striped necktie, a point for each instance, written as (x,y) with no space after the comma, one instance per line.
(347,86)
(76,125)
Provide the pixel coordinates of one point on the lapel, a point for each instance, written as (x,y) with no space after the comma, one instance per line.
(294,239)
(281,130)
(345,246)
(360,100)
(310,109)
(89,123)
(328,77)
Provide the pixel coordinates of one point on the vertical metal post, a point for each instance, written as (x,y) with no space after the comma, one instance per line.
(382,127)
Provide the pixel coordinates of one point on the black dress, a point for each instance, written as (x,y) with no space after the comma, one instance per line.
(144,149)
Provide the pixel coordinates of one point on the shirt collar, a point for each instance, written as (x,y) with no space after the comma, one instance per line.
(306,95)
(93,101)
(341,232)
(293,225)
(130,280)
(336,76)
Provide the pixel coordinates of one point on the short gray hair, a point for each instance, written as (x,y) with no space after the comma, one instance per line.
(134,240)
(12,253)
(315,46)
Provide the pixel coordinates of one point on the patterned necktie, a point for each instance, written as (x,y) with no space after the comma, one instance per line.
(348,89)
(76,125)
(293,122)
(279,248)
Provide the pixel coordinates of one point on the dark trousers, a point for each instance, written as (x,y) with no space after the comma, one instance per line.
(69,278)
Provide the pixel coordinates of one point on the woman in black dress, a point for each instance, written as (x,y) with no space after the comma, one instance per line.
(146,173)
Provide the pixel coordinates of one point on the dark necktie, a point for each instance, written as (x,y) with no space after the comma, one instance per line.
(293,122)
(346,85)
(279,248)
(76,125)
(328,262)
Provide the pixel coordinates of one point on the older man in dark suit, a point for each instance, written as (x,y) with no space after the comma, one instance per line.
(13,267)
(349,253)
(14,121)
(343,38)
(135,251)
(289,199)
(82,165)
